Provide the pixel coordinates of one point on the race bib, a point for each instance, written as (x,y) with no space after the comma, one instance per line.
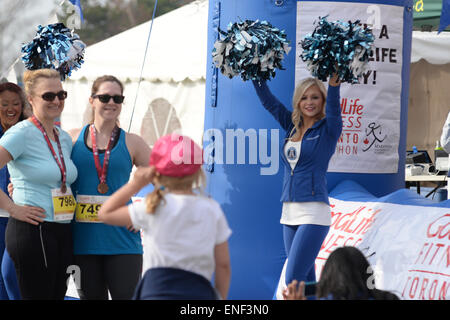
(63,205)
(88,207)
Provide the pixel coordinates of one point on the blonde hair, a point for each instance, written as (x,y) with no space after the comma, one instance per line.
(297,116)
(161,183)
(30,78)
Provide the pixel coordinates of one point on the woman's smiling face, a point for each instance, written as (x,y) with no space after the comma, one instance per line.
(10,108)
(312,102)
(109,110)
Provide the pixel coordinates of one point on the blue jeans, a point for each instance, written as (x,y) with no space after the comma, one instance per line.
(302,244)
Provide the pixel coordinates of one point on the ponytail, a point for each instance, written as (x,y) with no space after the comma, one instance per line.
(153,200)
(190,182)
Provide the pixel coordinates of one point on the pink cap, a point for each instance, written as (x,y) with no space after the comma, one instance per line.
(175,155)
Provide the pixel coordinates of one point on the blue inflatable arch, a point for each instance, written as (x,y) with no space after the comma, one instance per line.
(250,198)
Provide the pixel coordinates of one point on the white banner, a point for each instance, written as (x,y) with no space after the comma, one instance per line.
(407,246)
(371,109)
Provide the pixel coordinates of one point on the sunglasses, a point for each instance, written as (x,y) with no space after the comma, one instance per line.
(50,96)
(104,98)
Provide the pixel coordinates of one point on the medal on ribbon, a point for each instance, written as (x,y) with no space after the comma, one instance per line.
(61,164)
(102,170)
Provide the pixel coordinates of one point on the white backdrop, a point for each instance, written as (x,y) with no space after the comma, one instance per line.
(371,109)
(175,69)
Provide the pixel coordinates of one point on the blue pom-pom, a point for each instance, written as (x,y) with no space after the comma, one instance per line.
(337,47)
(54,47)
(251,49)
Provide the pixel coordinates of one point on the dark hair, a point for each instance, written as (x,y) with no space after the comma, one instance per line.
(12,87)
(346,276)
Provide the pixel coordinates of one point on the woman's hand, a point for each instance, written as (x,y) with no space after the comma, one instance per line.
(334,80)
(32,215)
(10,189)
(132,229)
(294,292)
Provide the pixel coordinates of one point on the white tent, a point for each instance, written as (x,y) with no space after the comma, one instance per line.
(431,46)
(175,70)
(429,97)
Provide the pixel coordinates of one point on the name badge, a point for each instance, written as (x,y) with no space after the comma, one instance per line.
(88,207)
(63,205)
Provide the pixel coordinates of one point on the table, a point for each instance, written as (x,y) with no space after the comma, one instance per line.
(441,181)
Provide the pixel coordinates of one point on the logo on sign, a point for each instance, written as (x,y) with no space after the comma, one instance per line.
(374,137)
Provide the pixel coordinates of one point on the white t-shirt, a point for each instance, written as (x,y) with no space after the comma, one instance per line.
(297,213)
(182,233)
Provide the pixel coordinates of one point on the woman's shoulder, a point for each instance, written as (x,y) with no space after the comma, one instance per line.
(67,135)
(74,133)
(132,138)
(22,128)
(23,124)
(138,148)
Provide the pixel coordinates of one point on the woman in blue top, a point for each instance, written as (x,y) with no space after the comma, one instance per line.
(312,131)
(109,257)
(38,235)
(13,108)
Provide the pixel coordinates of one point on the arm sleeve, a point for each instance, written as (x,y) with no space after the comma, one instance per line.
(138,215)
(223,230)
(333,112)
(273,105)
(445,137)
(14,141)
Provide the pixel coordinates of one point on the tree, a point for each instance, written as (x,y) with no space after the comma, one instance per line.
(105,19)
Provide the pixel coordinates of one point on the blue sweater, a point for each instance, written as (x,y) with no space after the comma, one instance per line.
(307,181)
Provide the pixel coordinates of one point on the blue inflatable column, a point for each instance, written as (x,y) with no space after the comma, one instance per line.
(242,142)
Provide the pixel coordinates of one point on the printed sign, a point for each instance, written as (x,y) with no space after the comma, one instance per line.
(371,109)
(407,246)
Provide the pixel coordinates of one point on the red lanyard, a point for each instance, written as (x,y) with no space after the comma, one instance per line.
(102,171)
(62,164)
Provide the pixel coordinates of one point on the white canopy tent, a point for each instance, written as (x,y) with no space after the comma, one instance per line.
(429,96)
(174,70)
(431,46)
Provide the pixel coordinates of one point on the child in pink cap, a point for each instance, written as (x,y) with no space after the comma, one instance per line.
(185,234)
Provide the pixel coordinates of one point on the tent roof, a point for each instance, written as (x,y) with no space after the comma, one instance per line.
(178,36)
(430,46)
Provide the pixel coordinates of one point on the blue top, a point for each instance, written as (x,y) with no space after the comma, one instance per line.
(4,174)
(33,170)
(307,181)
(99,238)
(4,180)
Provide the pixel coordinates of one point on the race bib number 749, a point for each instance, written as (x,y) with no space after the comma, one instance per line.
(88,207)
